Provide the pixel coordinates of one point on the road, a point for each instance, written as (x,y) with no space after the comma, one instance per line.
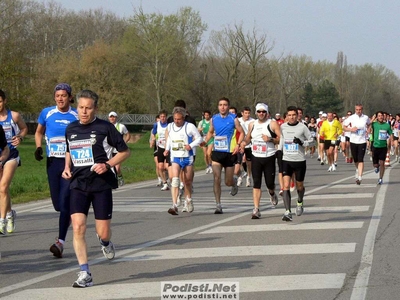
(344,246)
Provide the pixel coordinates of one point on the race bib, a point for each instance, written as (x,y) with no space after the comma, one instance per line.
(382,136)
(360,132)
(81,153)
(8,132)
(290,147)
(313,134)
(259,147)
(161,140)
(221,143)
(57,146)
(178,146)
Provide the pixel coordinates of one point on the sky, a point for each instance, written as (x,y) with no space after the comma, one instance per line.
(365,31)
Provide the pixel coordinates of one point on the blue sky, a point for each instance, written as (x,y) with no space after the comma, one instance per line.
(365,31)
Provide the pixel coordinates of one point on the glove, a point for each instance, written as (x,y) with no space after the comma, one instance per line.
(297,141)
(39,153)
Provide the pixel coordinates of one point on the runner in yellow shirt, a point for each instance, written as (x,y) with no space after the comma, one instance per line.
(331,129)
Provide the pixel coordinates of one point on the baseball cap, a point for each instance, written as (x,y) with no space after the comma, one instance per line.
(324,115)
(321,112)
(277,114)
(113,113)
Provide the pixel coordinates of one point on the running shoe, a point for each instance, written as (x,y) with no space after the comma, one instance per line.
(239,181)
(159,182)
(330,169)
(380,181)
(207,170)
(234,188)
(11,221)
(173,210)
(335,163)
(57,249)
(333,168)
(121,181)
(84,280)
(280,192)
(3,226)
(165,187)
(256,214)
(377,170)
(299,209)
(322,163)
(218,210)
(108,251)
(184,208)
(358,181)
(291,185)
(248,181)
(274,199)
(319,158)
(287,216)
(189,205)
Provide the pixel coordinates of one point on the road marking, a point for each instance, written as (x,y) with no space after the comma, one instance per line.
(353,186)
(361,283)
(166,254)
(321,210)
(339,196)
(153,289)
(276,227)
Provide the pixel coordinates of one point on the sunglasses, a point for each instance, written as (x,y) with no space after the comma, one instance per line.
(261,112)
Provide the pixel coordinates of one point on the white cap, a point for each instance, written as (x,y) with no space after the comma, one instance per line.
(277,114)
(262,106)
(321,112)
(324,115)
(113,113)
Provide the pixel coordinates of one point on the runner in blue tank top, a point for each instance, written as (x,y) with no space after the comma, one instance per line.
(15,130)
(52,123)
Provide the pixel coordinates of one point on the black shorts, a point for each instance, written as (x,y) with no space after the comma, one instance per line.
(297,167)
(239,158)
(263,166)
(161,157)
(248,153)
(347,138)
(321,141)
(395,138)
(102,202)
(226,159)
(329,143)
(358,151)
(379,154)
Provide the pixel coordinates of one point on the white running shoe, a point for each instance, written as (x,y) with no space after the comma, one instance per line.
(333,168)
(11,221)
(248,181)
(3,226)
(84,280)
(189,205)
(165,187)
(330,169)
(239,181)
(108,251)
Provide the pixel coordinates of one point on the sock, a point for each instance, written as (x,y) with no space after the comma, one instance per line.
(85,267)
(301,195)
(287,199)
(61,241)
(104,243)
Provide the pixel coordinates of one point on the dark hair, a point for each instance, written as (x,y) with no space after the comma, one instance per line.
(207,112)
(299,109)
(234,108)
(292,108)
(180,103)
(2,94)
(225,99)
(246,108)
(88,94)
(162,112)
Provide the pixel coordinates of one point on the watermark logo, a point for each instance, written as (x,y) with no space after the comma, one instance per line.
(199,290)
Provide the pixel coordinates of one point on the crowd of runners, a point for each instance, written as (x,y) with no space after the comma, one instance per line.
(251,149)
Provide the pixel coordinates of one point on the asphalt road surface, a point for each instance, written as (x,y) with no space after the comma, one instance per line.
(344,246)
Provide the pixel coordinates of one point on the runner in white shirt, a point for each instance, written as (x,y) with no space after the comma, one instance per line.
(358,124)
(244,121)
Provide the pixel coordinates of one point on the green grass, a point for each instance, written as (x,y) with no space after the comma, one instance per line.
(30,180)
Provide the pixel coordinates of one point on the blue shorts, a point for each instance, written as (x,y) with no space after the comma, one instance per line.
(102,203)
(183,161)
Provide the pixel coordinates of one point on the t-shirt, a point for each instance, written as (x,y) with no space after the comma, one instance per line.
(361,122)
(381,132)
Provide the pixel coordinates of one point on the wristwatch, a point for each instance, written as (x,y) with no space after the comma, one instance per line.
(108,167)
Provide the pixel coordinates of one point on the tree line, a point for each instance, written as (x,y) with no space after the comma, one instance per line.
(143,63)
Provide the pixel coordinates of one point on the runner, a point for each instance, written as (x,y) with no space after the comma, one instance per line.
(182,138)
(294,137)
(52,123)
(112,117)
(225,148)
(358,124)
(331,130)
(244,121)
(381,132)
(15,130)
(264,134)
(203,127)
(89,167)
